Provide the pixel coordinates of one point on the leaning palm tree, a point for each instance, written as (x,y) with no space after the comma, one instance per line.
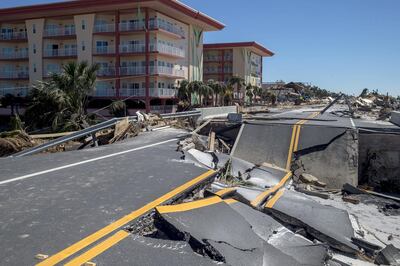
(205,93)
(61,102)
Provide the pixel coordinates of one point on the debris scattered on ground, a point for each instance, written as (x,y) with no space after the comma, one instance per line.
(15,141)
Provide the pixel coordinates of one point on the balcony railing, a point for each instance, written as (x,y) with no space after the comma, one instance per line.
(131,26)
(104,92)
(132,48)
(141,92)
(212,70)
(99,28)
(104,50)
(20,54)
(132,71)
(106,72)
(13,36)
(14,74)
(160,24)
(212,58)
(59,31)
(162,70)
(162,92)
(16,91)
(60,52)
(167,49)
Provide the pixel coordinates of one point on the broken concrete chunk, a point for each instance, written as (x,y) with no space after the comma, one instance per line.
(203,158)
(390,255)
(325,223)
(299,248)
(212,227)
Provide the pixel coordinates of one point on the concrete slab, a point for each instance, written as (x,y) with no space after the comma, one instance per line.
(263,142)
(52,210)
(299,248)
(326,223)
(214,227)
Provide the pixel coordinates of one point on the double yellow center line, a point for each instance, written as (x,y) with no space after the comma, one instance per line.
(69,251)
(294,145)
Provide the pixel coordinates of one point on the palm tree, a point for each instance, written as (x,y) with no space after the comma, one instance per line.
(249,93)
(183,92)
(257,93)
(194,89)
(118,109)
(237,82)
(205,93)
(61,102)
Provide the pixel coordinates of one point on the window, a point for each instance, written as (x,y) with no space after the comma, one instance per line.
(34,28)
(101,47)
(34,48)
(83,25)
(83,46)
(34,68)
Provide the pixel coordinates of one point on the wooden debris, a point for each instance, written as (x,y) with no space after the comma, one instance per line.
(350,199)
(211,141)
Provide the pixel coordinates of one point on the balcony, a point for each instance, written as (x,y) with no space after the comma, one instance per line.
(16,91)
(162,92)
(212,70)
(14,36)
(104,50)
(104,92)
(212,58)
(59,32)
(161,24)
(66,52)
(167,49)
(132,71)
(104,28)
(19,54)
(14,74)
(168,71)
(131,26)
(106,72)
(132,92)
(132,48)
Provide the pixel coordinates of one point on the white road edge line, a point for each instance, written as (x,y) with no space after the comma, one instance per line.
(83,162)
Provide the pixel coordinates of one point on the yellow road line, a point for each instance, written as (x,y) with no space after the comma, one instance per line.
(290,152)
(230,201)
(296,142)
(189,205)
(274,199)
(260,198)
(223,192)
(121,235)
(60,256)
(100,248)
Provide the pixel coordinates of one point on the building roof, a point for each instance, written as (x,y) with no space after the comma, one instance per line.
(90,6)
(256,47)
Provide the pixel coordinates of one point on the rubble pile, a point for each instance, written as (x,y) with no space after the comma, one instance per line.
(265,214)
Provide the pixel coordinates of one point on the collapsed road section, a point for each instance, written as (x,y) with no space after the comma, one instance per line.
(268,190)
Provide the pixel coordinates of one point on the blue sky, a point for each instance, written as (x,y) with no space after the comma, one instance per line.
(342,45)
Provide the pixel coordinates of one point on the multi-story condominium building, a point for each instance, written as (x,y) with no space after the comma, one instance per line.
(144,47)
(242,59)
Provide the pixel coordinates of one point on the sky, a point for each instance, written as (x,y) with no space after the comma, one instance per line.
(339,45)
